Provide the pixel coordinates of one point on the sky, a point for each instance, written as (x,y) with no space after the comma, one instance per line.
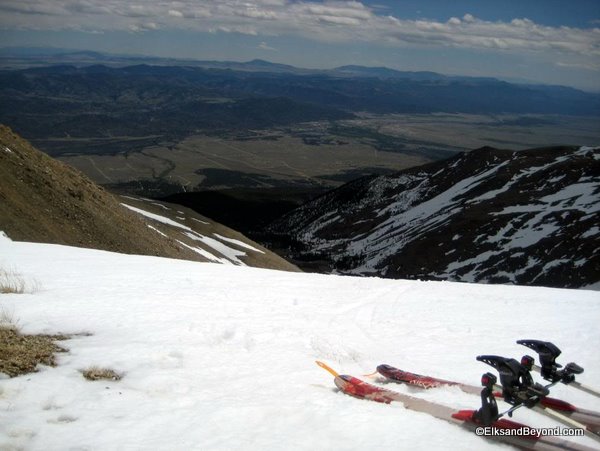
(547,41)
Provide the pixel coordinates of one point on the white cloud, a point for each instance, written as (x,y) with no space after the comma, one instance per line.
(11,7)
(338,20)
(175,13)
(264,46)
(255,13)
(141,27)
(329,20)
(585,65)
(352,10)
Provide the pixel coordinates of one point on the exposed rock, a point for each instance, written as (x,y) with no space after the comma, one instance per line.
(495,216)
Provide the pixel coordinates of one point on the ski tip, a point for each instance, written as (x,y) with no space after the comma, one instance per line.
(374,373)
(327,368)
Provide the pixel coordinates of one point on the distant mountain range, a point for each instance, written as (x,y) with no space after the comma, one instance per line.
(170,102)
(529,217)
(23,57)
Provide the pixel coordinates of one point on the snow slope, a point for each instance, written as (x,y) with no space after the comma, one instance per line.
(221,357)
(488,216)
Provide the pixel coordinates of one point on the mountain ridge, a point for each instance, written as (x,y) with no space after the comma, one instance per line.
(50,55)
(45,200)
(493,216)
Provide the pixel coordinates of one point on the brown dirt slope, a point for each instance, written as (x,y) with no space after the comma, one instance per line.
(44,200)
(204,234)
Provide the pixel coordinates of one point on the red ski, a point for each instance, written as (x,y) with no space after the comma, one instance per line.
(421,381)
(560,410)
(506,430)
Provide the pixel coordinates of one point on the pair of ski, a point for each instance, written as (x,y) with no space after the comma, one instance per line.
(557,409)
(465,418)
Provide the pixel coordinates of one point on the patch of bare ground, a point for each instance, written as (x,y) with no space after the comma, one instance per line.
(95,373)
(20,353)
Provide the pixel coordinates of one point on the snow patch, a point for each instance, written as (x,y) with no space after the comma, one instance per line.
(593,151)
(590,233)
(391,235)
(230,253)
(164,207)
(554,264)
(158,218)
(210,257)
(156,230)
(237,243)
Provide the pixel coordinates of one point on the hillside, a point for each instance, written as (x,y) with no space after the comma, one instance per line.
(44,200)
(216,357)
(528,217)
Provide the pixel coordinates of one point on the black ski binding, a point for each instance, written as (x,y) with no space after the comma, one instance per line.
(527,361)
(488,413)
(517,384)
(548,352)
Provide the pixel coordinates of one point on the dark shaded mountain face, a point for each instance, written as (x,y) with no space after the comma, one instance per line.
(530,218)
(157,103)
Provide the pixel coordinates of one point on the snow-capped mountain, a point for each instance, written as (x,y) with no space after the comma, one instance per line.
(527,217)
(221,357)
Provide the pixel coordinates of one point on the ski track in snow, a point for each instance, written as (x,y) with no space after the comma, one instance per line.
(218,357)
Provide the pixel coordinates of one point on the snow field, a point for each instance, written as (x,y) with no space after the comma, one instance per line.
(218,357)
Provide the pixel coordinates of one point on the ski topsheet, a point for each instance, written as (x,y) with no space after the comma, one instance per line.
(506,431)
(562,411)
(418,380)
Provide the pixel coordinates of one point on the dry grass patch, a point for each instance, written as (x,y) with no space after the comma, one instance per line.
(7,320)
(13,282)
(20,354)
(96,373)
